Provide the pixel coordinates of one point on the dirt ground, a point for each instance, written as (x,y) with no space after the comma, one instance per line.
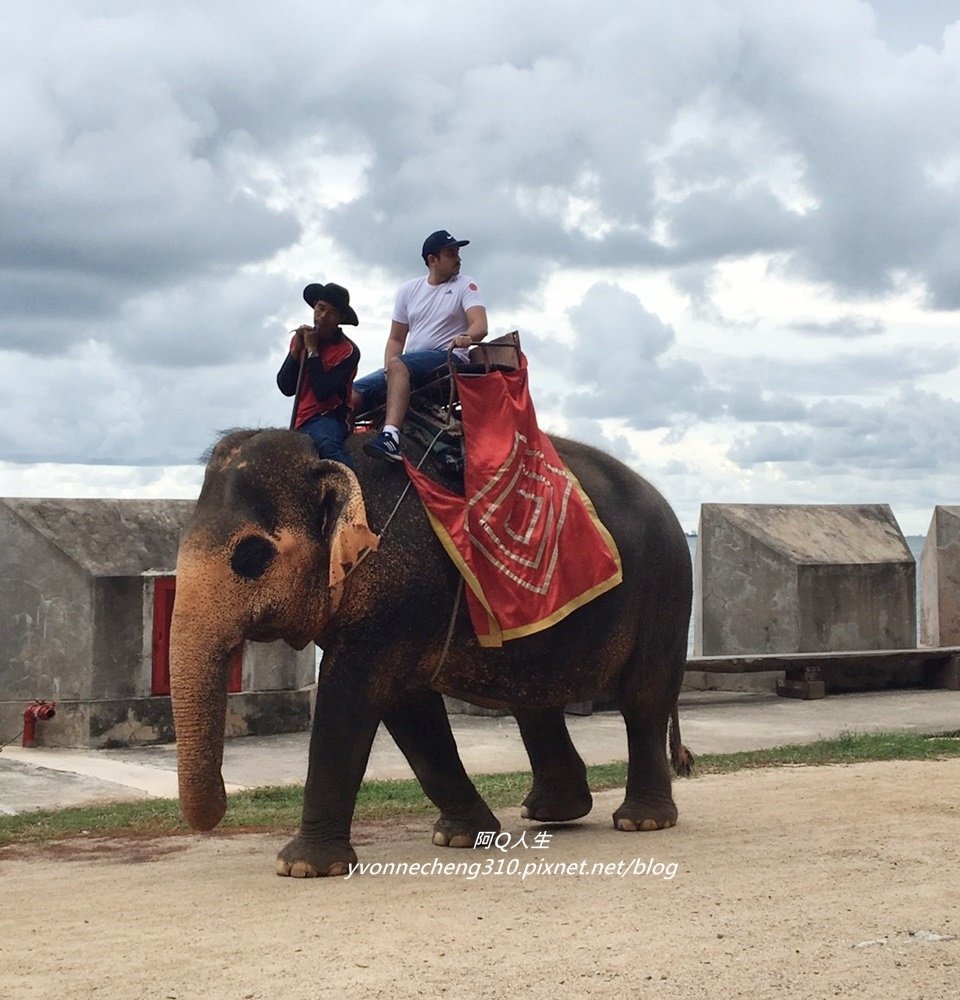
(798,882)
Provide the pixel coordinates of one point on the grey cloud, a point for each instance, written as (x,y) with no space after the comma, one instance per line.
(621,360)
(922,22)
(725,223)
(750,402)
(697,283)
(90,408)
(618,360)
(199,322)
(116,175)
(836,375)
(769,444)
(590,432)
(236,317)
(850,327)
(911,432)
(156,158)
(646,396)
(832,170)
(866,148)
(43,311)
(154,110)
(608,318)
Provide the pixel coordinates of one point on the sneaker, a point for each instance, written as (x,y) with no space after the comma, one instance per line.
(383,446)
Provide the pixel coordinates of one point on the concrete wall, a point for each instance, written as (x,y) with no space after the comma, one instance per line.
(118,638)
(781,578)
(940,580)
(46,618)
(275,666)
(776,578)
(871,606)
(139,721)
(737,574)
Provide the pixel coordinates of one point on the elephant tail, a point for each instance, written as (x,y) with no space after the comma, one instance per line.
(680,757)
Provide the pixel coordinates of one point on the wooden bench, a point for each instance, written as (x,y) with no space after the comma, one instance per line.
(808,675)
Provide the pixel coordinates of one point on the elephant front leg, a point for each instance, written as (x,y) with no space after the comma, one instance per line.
(560,791)
(344,725)
(421,729)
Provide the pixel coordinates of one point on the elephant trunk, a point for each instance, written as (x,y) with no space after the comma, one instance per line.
(200,647)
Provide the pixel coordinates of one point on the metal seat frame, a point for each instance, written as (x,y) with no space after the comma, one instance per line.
(433,423)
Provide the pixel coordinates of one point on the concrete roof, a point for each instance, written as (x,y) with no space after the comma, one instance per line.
(826,534)
(943,523)
(109,537)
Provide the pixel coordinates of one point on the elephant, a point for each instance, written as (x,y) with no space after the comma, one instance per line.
(273,550)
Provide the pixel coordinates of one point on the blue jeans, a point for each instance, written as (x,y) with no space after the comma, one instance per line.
(328,435)
(420,364)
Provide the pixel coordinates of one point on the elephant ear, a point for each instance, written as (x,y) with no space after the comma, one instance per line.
(345,526)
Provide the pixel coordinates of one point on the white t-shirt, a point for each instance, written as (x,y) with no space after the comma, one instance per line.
(435,314)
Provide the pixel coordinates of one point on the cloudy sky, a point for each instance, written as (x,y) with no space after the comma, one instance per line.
(728,230)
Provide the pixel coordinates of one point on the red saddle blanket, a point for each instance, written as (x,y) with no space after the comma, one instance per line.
(525,536)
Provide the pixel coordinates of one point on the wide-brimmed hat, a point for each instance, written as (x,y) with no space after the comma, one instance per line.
(437,241)
(337,296)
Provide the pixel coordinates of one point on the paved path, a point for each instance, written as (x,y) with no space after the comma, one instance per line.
(711,722)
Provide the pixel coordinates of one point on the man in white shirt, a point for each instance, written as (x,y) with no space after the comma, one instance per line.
(432,313)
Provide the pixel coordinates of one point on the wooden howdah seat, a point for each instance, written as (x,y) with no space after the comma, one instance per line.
(433,418)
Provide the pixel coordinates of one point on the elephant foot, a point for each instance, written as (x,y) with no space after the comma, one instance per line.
(645,815)
(303,858)
(462,830)
(555,805)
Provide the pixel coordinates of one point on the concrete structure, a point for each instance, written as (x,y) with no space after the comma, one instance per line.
(775,578)
(940,580)
(86,591)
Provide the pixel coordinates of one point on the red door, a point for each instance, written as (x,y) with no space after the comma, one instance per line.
(164,590)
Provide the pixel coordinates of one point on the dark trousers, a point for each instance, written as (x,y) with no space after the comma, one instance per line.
(328,435)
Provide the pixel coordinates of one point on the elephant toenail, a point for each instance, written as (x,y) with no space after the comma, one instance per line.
(303,869)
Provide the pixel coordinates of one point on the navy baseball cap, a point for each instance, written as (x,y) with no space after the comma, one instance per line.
(438,241)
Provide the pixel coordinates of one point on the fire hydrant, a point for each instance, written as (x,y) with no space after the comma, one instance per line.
(41,710)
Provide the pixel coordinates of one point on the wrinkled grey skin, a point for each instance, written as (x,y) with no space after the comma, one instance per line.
(254,564)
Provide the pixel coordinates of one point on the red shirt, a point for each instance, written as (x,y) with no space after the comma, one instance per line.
(327,379)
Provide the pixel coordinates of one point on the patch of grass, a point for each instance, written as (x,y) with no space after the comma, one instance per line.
(847,748)
(278,808)
(154,816)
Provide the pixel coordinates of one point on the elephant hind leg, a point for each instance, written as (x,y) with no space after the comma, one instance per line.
(421,729)
(560,791)
(648,803)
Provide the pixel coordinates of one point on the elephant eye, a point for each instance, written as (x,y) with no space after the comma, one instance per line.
(251,556)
